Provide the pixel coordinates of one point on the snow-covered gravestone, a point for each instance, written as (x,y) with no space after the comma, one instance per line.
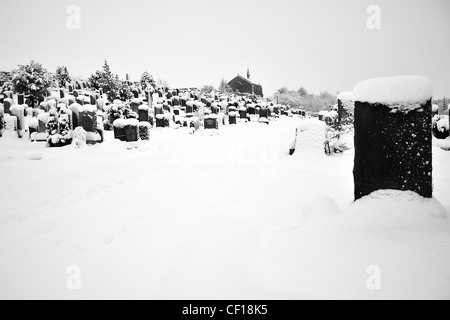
(88,121)
(243,113)
(393,135)
(75,108)
(131,130)
(41,134)
(143,113)
(7,103)
(264,114)
(134,105)
(210,122)
(119,129)
(232,115)
(19,112)
(189,108)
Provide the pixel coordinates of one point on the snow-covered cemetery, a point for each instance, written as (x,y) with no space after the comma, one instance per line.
(120,188)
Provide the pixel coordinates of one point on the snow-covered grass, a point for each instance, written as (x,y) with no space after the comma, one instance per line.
(228,216)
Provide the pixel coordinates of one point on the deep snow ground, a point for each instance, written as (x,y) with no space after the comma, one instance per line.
(228,216)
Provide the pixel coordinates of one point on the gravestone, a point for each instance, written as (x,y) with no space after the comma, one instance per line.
(29,101)
(176,101)
(276,110)
(243,113)
(42,122)
(386,157)
(88,118)
(75,108)
(44,106)
(7,103)
(143,113)
(20,99)
(134,105)
(131,130)
(210,122)
(100,104)
(8,95)
(10,123)
(232,117)
(18,111)
(189,108)
(264,113)
(159,119)
(119,129)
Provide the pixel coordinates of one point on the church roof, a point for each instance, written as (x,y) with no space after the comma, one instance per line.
(244,79)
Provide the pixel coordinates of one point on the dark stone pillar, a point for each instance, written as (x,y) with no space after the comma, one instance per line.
(392,150)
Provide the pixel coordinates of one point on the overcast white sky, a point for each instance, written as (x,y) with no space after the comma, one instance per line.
(317,44)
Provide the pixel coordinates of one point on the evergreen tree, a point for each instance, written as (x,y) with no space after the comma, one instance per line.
(62,75)
(104,79)
(31,79)
(147,81)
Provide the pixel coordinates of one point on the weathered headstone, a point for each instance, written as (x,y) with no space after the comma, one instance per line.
(143,113)
(210,122)
(75,108)
(42,134)
(232,117)
(134,105)
(393,135)
(8,95)
(264,114)
(100,104)
(20,99)
(19,112)
(131,130)
(119,129)
(243,113)
(88,118)
(10,123)
(7,103)
(159,119)
(189,108)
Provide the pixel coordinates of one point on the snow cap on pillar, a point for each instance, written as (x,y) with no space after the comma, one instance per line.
(394,90)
